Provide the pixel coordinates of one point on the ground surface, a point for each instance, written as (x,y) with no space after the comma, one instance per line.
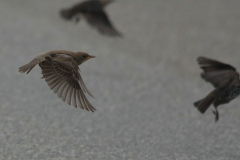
(144,84)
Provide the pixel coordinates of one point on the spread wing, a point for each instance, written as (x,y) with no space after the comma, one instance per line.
(82,7)
(217,73)
(101,22)
(64,80)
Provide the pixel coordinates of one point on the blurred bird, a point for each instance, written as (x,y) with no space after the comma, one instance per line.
(61,72)
(94,14)
(224,78)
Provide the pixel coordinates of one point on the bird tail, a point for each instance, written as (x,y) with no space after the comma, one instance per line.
(28,67)
(203,104)
(67,14)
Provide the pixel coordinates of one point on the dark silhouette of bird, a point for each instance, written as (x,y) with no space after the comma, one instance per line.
(61,72)
(93,12)
(224,78)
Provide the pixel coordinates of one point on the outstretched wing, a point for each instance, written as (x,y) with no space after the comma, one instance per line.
(63,79)
(217,73)
(82,7)
(101,22)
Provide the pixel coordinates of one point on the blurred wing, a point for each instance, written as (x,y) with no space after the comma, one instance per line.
(217,73)
(101,22)
(208,64)
(62,78)
(88,6)
(221,78)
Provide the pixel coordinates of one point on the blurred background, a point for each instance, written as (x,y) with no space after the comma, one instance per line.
(144,84)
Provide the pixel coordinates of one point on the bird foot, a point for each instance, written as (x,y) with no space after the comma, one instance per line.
(216,114)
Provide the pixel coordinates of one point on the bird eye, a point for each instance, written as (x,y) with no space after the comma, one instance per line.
(83,56)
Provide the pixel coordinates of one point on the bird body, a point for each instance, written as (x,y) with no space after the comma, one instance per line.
(227,95)
(224,78)
(83,7)
(61,72)
(93,12)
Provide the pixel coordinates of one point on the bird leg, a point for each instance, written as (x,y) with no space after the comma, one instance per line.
(216,114)
(77,19)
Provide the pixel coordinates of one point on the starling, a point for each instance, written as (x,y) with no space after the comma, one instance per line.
(93,12)
(224,78)
(61,72)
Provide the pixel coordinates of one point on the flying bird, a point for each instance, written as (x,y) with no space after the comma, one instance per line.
(61,72)
(224,78)
(93,12)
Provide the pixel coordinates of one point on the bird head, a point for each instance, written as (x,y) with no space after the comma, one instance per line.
(82,57)
(66,14)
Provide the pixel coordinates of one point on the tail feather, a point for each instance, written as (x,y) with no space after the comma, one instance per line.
(203,104)
(196,104)
(28,67)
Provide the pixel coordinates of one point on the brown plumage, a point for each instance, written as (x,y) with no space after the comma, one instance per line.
(93,12)
(61,72)
(224,78)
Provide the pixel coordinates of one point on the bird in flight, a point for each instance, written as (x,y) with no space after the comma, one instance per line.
(93,12)
(225,80)
(61,72)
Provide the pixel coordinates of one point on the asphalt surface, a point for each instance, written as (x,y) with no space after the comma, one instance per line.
(144,84)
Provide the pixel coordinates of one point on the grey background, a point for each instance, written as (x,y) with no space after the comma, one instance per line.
(144,83)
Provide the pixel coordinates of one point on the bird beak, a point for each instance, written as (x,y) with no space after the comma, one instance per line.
(90,57)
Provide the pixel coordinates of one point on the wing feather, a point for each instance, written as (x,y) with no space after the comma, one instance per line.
(217,73)
(101,22)
(66,82)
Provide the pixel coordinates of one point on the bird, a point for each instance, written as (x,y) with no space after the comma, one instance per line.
(225,80)
(93,12)
(62,74)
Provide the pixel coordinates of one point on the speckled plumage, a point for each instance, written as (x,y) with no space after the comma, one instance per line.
(224,78)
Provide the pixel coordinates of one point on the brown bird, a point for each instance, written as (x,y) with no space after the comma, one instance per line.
(93,12)
(224,78)
(61,72)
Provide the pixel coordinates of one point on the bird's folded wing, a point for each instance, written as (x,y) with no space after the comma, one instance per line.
(217,73)
(62,78)
(101,22)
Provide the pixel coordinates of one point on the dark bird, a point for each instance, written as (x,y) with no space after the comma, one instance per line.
(61,72)
(93,12)
(224,78)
